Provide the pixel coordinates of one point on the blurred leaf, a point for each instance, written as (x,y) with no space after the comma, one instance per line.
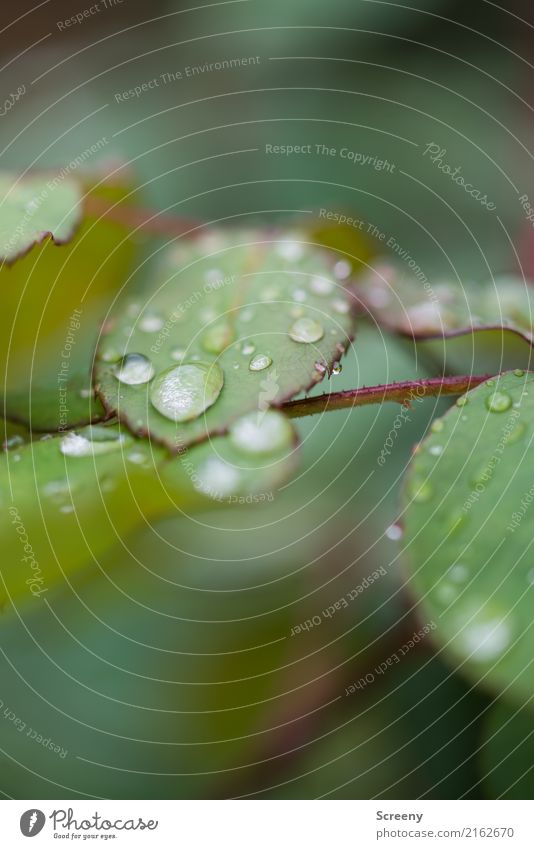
(35,208)
(466,501)
(464,327)
(507,755)
(53,301)
(231,324)
(406,736)
(68,499)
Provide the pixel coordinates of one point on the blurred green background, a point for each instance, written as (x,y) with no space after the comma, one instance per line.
(173,673)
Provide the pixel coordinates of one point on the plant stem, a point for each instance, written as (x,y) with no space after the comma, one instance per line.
(403,393)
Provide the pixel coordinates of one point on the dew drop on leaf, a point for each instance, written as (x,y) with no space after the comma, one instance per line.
(306,330)
(183,392)
(216,478)
(260,362)
(498,402)
(134,369)
(91,440)
(151,323)
(321,286)
(262,432)
(217,338)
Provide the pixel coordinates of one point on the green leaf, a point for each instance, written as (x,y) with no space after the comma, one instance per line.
(53,301)
(67,499)
(468,530)
(487,327)
(507,754)
(255,319)
(34,208)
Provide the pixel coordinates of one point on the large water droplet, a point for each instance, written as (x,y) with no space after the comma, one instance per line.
(91,440)
(183,392)
(262,433)
(306,330)
(134,369)
(260,362)
(498,402)
(217,338)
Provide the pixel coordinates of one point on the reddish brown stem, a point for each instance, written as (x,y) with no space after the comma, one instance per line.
(146,220)
(403,393)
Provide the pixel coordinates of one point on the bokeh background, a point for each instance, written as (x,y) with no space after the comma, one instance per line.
(169,670)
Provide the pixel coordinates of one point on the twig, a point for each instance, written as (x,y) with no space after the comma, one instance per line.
(403,393)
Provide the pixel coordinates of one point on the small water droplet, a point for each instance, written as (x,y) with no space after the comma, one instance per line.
(435,450)
(247,348)
(296,312)
(262,433)
(67,508)
(91,440)
(498,402)
(139,458)
(109,355)
(321,286)
(213,276)
(337,368)
(246,314)
(207,314)
(13,442)
(485,640)
(178,354)
(183,392)
(134,369)
(437,426)
(530,577)
(342,269)
(260,362)
(151,323)
(462,401)
(394,532)
(340,306)
(299,295)
(306,330)
(217,338)
(519,372)
(235,366)
(85,393)
(133,310)
(458,573)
